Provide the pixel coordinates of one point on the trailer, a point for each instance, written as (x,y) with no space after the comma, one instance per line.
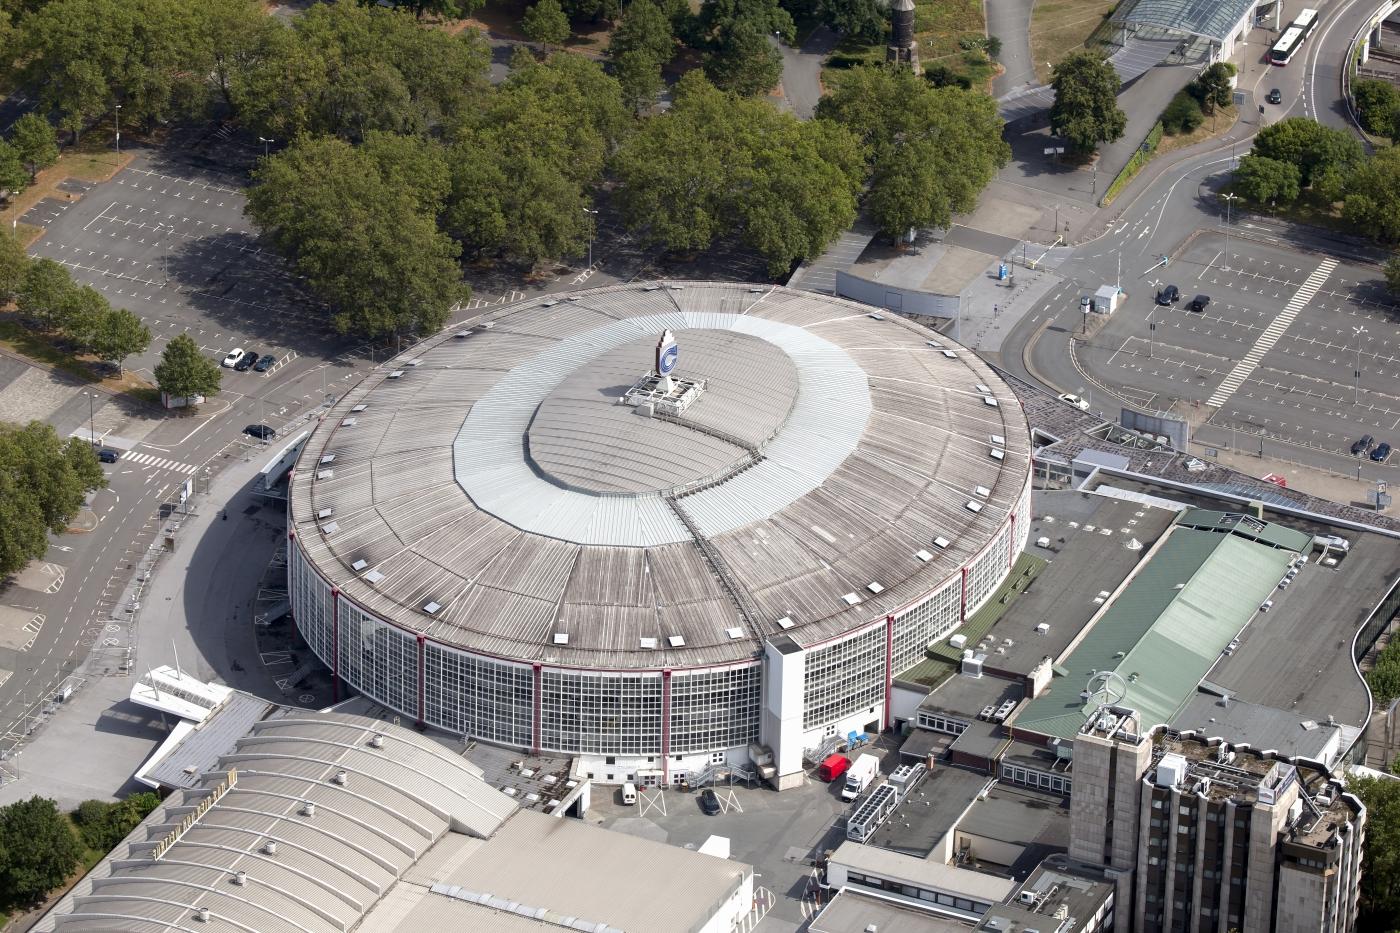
(858,778)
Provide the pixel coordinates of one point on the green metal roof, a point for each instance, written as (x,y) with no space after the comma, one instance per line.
(1247,526)
(1165,629)
(1026,568)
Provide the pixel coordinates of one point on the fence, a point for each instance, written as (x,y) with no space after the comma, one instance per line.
(1140,158)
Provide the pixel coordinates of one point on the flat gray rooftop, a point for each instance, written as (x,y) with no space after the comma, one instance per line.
(926,816)
(852,911)
(1079,889)
(486,489)
(1083,563)
(966,696)
(1261,727)
(1020,817)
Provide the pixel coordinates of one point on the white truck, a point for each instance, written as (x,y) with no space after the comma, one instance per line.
(862,771)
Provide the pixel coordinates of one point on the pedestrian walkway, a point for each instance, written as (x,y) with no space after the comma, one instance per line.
(1271,334)
(1133,60)
(159,463)
(819,275)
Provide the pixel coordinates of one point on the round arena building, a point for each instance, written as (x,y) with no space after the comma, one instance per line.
(659,527)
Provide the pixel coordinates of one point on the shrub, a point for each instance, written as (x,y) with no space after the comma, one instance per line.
(1182,115)
(943,76)
(1378,106)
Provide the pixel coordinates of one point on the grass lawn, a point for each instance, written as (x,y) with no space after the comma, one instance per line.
(1218,125)
(938,25)
(1059,27)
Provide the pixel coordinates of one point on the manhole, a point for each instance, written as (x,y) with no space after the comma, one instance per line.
(307,698)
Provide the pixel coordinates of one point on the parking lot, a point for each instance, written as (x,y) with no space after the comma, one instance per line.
(1271,357)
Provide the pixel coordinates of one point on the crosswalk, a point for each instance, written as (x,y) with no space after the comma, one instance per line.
(1271,334)
(159,463)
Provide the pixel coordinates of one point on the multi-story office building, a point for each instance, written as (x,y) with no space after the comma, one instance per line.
(1209,837)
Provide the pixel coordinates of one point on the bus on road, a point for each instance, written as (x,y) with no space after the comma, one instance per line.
(1293,37)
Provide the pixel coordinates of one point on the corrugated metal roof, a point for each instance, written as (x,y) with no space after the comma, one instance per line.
(875,455)
(1165,629)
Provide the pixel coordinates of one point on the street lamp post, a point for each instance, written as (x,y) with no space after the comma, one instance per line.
(1356,395)
(117,119)
(591,232)
(265,141)
(1229,200)
(92,430)
(1151,330)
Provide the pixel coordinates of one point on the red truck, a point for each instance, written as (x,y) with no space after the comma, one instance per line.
(833,767)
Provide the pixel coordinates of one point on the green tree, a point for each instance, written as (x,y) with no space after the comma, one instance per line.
(102,824)
(642,44)
(1215,86)
(524,172)
(716,164)
(546,24)
(13,177)
(443,9)
(34,139)
(80,316)
(42,848)
(14,262)
(1380,866)
(43,482)
(1267,181)
(930,150)
(1372,201)
(120,334)
(1392,275)
(1182,115)
(639,78)
(44,293)
(1378,106)
(743,60)
(1085,111)
(240,37)
(364,242)
(1312,147)
(184,372)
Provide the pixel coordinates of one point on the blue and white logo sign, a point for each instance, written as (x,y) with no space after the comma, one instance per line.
(667,354)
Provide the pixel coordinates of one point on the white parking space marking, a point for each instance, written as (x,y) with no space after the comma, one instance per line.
(1271,334)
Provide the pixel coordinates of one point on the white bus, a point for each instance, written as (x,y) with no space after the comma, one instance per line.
(1293,37)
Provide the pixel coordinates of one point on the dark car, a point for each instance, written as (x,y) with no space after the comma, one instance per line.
(260,431)
(1275,96)
(1381,453)
(709,801)
(1168,295)
(1199,303)
(109,455)
(264,364)
(246,361)
(1363,445)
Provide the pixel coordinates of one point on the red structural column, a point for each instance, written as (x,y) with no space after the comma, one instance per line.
(535,715)
(962,613)
(889,670)
(1011,544)
(422,678)
(665,727)
(335,645)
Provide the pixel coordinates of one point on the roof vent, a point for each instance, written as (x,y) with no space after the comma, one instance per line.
(872,928)
(998,440)
(648,642)
(347,422)
(359,565)
(561,638)
(202,914)
(308,809)
(341,777)
(376,740)
(651,288)
(330,528)
(998,453)
(325,513)
(462,334)
(850,599)
(875,588)
(359,408)
(413,362)
(328,458)
(973,505)
(373,576)
(941,542)
(923,555)
(240,878)
(734,632)
(786,622)
(270,847)
(990,402)
(676,641)
(981,492)
(950,354)
(875,316)
(983,389)
(431,607)
(396,374)
(325,474)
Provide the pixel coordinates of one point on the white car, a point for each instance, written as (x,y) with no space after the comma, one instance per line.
(233,357)
(1076,401)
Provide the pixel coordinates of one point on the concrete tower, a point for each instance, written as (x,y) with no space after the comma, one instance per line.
(904,48)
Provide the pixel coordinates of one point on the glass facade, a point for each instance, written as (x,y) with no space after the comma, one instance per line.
(479,697)
(918,627)
(844,677)
(985,573)
(714,709)
(602,714)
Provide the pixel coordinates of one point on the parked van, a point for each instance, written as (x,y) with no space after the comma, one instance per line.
(629,793)
(833,767)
